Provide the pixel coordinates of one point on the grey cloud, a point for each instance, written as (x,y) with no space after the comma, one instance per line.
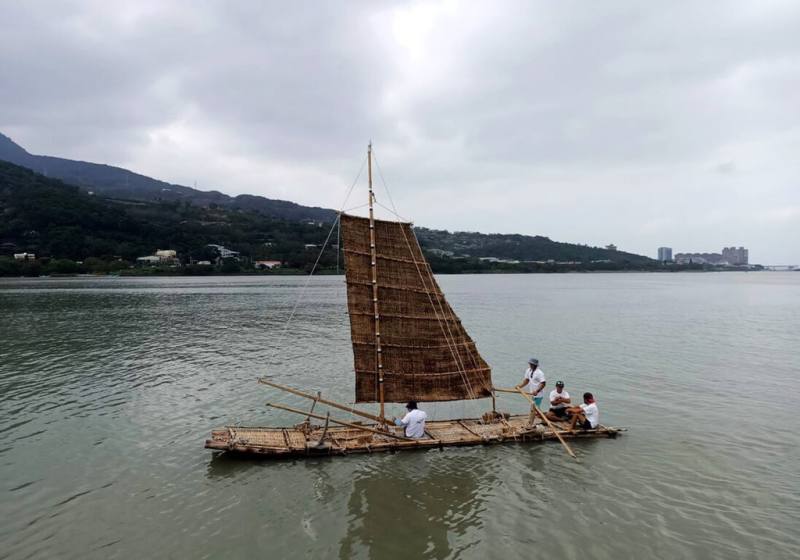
(638,123)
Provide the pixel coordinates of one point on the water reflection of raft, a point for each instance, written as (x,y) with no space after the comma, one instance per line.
(309,439)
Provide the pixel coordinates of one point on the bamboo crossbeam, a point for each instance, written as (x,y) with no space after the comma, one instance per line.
(386,257)
(442,373)
(418,346)
(474,433)
(406,316)
(335,421)
(397,287)
(547,421)
(323,401)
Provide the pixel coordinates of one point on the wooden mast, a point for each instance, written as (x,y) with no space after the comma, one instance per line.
(373,266)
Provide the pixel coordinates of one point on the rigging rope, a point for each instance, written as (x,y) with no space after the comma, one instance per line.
(430,271)
(385,186)
(449,338)
(402,218)
(316,262)
(443,323)
(452,313)
(355,208)
(338,241)
(451,341)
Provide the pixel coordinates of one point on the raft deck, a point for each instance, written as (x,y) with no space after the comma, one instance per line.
(305,439)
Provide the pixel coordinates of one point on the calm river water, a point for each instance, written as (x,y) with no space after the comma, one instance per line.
(109,386)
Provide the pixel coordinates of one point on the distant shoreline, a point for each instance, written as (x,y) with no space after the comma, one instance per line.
(217,274)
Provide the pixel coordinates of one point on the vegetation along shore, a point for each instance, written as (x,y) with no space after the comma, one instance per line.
(52,227)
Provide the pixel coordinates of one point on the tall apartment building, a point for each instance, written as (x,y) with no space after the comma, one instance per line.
(735,256)
(665,254)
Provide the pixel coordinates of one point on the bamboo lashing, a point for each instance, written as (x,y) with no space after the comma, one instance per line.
(323,401)
(321,441)
(314,404)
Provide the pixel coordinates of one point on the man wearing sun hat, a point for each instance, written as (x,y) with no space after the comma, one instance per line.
(534,379)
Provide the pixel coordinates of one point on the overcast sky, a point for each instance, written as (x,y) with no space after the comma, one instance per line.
(636,123)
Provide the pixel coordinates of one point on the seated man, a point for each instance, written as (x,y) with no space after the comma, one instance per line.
(413,421)
(559,399)
(587,416)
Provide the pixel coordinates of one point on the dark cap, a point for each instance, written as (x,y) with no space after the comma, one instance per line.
(559,383)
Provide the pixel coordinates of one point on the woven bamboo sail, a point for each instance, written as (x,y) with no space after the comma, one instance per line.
(426,353)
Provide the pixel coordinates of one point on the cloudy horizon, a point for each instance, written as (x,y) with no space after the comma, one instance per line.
(638,124)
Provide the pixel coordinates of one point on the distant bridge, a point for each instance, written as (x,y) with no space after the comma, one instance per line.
(781,266)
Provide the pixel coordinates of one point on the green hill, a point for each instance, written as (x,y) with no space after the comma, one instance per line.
(57,221)
(518,247)
(115,182)
(52,219)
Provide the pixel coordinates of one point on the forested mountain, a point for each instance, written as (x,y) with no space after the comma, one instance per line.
(518,247)
(52,219)
(115,182)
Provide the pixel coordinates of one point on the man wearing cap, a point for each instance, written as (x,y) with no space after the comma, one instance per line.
(534,379)
(413,421)
(559,399)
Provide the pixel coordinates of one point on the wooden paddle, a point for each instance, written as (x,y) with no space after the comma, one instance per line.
(547,421)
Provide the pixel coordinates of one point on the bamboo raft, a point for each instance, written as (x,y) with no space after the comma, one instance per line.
(308,440)
(408,345)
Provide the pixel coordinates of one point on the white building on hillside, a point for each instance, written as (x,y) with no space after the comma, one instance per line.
(162,256)
(224,252)
(167,254)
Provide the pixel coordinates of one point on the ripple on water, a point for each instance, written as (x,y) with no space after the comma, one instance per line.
(109,388)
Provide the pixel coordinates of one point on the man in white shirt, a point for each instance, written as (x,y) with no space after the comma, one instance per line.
(587,415)
(559,399)
(414,421)
(534,379)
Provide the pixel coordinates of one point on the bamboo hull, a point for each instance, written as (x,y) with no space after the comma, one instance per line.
(315,441)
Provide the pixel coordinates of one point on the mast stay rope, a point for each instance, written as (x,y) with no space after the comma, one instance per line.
(303,290)
(442,320)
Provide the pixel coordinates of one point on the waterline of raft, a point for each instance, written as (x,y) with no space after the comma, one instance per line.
(308,440)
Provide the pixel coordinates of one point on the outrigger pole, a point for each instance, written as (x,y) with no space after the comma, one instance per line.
(373,266)
(317,398)
(335,421)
